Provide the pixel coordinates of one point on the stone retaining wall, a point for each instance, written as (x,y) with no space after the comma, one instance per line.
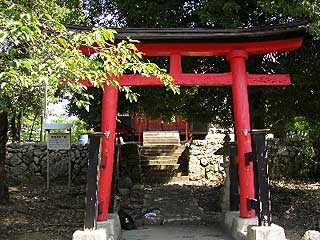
(288,159)
(204,165)
(130,166)
(27,160)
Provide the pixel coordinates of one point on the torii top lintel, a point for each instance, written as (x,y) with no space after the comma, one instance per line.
(211,42)
(177,42)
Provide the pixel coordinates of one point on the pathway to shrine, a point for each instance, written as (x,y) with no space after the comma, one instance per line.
(176,232)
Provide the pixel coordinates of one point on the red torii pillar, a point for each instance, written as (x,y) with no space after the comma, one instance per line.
(108,127)
(237,60)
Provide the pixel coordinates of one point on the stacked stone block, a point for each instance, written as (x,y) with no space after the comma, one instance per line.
(27,160)
(204,165)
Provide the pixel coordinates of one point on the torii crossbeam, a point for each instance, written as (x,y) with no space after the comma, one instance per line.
(234,44)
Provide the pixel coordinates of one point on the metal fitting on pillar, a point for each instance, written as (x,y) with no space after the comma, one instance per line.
(107,133)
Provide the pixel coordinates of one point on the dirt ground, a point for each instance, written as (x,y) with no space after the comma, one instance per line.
(296,207)
(34,213)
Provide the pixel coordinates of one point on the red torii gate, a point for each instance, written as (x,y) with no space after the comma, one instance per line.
(236,45)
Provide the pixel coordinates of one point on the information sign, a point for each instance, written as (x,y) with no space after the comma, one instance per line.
(58,141)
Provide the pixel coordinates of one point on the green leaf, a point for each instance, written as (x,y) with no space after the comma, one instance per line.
(62,41)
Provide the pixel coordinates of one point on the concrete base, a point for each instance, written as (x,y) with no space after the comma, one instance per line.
(228,219)
(266,233)
(240,226)
(112,226)
(99,234)
(107,230)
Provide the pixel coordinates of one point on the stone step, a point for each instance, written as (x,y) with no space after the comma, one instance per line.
(160,167)
(162,133)
(161,137)
(160,146)
(159,161)
(147,155)
(163,173)
(159,155)
(157,142)
(162,150)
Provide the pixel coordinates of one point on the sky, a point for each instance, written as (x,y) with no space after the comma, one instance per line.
(58,111)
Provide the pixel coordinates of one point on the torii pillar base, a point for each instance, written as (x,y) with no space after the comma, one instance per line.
(106,230)
(239,228)
(265,233)
(98,234)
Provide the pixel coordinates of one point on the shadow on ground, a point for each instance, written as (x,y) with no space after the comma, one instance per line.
(33,213)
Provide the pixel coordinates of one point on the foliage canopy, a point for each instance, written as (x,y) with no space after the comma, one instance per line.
(270,107)
(35,48)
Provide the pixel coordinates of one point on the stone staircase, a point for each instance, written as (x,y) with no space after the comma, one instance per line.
(163,164)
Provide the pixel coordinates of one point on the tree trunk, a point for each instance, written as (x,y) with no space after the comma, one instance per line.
(41,129)
(257,111)
(32,127)
(4,194)
(13,126)
(19,126)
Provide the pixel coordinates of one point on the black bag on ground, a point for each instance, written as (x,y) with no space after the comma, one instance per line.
(126,220)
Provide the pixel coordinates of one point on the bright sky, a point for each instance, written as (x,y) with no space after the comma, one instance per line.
(58,110)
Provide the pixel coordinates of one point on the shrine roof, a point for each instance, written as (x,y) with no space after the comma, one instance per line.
(174,35)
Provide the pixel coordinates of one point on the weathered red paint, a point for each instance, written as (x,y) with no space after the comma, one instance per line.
(108,125)
(212,49)
(237,60)
(141,123)
(218,49)
(175,64)
(190,79)
(217,79)
(187,132)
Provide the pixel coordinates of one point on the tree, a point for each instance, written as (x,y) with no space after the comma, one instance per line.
(63,11)
(269,106)
(283,105)
(35,48)
(3,140)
